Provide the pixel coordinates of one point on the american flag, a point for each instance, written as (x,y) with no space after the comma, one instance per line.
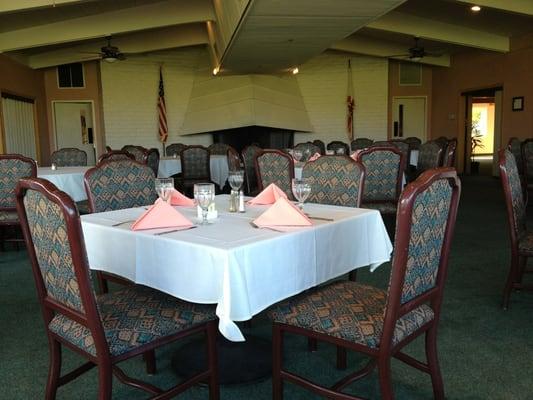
(162,110)
(350,104)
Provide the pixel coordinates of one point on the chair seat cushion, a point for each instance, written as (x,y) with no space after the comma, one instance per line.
(525,245)
(133,317)
(9,217)
(349,311)
(383,208)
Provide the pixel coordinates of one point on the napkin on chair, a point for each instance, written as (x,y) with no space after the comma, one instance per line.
(178,199)
(161,215)
(314,157)
(283,216)
(354,155)
(269,195)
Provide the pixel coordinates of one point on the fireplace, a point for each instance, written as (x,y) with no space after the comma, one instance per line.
(264,137)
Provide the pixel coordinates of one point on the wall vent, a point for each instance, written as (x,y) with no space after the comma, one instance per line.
(410,74)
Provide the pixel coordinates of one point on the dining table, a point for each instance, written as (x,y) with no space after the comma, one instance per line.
(169,166)
(67,179)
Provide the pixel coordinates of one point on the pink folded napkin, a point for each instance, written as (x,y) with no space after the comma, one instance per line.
(355,154)
(269,195)
(161,215)
(314,157)
(178,199)
(283,216)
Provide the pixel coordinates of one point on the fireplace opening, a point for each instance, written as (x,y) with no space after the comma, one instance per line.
(264,137)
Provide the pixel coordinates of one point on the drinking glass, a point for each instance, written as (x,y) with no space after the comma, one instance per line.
(236,179)
(204,193)
(297,155)
(163,187)
(301,188)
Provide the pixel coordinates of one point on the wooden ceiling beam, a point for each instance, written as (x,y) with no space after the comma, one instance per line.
(524,7)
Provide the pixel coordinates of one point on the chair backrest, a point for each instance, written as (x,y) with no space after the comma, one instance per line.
(174,149)
(248,157)
(403,146)
(152,159)
(275,166)
(307,149)
(361,143)
(12,168)
(320,144)
(429,156)
(514,197)
(384,169)
(336,180)
(425,223)
(527,159)
(54,239)
(337,144)
(114,185)
(413,142)
(449,155)
(69,157)
(115,155)
(136,151)
(220,149)
(381,143)
(234,160)
(195,163)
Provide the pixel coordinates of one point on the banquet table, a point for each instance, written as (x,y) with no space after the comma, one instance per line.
(67,179)
(169,166)
(241,269)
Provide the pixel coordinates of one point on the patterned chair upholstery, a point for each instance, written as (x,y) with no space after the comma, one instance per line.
(413,142)
(361,143)
(403,146)
(429,156)
(69,157)
(515,146)
(336,180)
(109,328)
(336,145)
(375,322)
(248,156)
(195,168)
(320,144)
(385,167)
(115,155)
(114,185)
(307,149)
(138,152)
(152,160)
(174,149)
(521,239)
(220,149)
(274,166)
(449,155)
(234,160)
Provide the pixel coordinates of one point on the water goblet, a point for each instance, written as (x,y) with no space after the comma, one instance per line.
(204,193)
(235,179)
(163,187)
(301,188)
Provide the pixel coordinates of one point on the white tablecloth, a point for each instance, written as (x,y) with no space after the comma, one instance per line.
(169,166)
(242,269)
(67,179)
(413,159)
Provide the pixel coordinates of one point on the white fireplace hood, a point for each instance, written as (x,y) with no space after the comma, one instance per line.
(227,102)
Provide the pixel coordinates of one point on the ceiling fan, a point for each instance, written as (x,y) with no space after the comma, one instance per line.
(417,52)
(109,53)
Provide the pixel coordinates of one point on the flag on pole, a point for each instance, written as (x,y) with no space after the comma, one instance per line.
(350,104)
(162,110)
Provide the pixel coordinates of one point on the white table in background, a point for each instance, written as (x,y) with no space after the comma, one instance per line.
(67,179)
(242,269)
(169,166)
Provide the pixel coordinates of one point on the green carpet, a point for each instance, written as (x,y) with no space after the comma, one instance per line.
(485,352)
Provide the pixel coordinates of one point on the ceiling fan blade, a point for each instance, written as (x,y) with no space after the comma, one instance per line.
(90,52)
(398,55)
(121,56)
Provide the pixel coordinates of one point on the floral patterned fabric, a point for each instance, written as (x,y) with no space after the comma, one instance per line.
(276,168)
(135,151)
(248,155)
(517,196)
(527,149)
(195,163)
(429,156)
(69,157)
(349,311)
(121,184)
(50,240)
(334,180)
(174,148)
(307,149)
(11,170)
(133,317)
(361,143)
(382,174)
(428,226)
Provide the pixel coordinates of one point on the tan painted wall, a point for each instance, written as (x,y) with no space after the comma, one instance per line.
(91,92)
(20,80)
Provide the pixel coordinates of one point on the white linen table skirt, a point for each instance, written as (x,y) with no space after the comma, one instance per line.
(67,179)
(241,269)
(169,166)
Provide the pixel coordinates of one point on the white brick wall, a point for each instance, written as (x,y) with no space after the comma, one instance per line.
(129,91)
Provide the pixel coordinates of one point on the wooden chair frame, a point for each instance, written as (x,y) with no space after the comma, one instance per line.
(450,153)
(381,356)
(105,362)
(111,153)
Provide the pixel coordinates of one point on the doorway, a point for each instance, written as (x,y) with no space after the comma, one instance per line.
(409,117)
(74,126)
(18,123)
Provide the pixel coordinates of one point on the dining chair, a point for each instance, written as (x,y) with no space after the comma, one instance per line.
(335,145)
(308,149)
(151,158)
(360,143)
(174,149)
(381,143)
(380,323)
(69,157)
(248,157)
(136,151)
(320,144)
(234,160)
(403,146)
(220,149)
(115,155)
(521,239)
(12,168)
(449,155)
(275,166)
(195,167)
(105,329)
(335,180)
(385,168)
(527,166)
(443,142)
(413,142)
(515,146)
(429,156)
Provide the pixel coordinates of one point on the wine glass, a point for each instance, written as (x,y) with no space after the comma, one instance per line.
(204,193)
(301,188)
(163,187)
(236,179)
(297,155)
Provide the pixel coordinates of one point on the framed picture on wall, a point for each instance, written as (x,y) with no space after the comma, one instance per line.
(518,103)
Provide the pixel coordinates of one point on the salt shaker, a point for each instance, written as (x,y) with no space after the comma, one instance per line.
(241,202)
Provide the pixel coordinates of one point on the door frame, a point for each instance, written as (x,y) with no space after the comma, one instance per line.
(390,134)
(93,118)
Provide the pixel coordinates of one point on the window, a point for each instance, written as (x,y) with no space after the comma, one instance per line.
(70,75)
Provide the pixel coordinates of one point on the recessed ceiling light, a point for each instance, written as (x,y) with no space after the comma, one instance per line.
(295,70)
(475,8)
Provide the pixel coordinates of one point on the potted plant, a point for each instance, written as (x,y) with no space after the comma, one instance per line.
(476,142)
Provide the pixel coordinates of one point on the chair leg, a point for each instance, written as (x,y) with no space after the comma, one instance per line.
(433,363)
(277,362)
(352,275)
(341,357)
(105,382)
(102,283)
(212,357)
(149,359)
(54,369)
(385,378)
(511,277)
